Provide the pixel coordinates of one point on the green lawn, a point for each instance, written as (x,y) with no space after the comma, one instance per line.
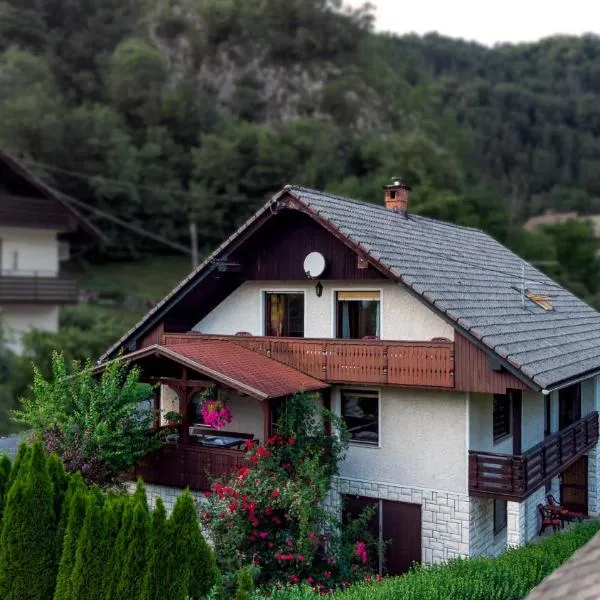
(149,279)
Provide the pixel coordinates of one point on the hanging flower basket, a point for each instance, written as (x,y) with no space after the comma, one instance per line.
(215,413)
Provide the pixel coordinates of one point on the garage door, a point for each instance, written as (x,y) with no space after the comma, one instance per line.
(396,523)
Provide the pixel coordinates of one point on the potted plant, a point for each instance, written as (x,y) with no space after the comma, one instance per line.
(215,412)
(173,418)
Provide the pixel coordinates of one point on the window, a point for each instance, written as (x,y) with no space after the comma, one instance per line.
(360,411)
(284,314)
(358,314)
(499,516)
(502,414)
(569,405)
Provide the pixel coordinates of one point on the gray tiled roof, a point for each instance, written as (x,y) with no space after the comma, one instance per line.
(471,278)
(577,579)
(466,275)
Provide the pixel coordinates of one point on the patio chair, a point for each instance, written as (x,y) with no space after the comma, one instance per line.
(566,514)
(547,519)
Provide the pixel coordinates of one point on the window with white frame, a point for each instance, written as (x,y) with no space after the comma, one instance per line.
(360,411)
(358,314)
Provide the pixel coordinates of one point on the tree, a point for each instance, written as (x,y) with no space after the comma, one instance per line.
(160,569)
(60,483)
(28,539)
(135,560)
(77,498)
(197,572)
(5,467)
(245,583)
(90,561)
(97,426)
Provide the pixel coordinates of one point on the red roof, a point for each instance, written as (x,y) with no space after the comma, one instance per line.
(264,375)
(236,367)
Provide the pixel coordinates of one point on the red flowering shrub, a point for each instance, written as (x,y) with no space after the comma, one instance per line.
(271,513)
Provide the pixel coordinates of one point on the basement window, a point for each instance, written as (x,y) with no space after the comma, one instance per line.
(500,516)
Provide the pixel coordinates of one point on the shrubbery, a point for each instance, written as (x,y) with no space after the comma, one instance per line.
(61,540)
(509,577)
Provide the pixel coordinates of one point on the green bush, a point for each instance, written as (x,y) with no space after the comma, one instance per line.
(509,577)
(60,483)
(245,583)
(5,468)
(28,553)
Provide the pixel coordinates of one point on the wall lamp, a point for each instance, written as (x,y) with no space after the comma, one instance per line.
(319,289)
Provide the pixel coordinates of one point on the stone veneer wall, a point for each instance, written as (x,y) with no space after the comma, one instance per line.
(483,542)
(445,519)
(167,494)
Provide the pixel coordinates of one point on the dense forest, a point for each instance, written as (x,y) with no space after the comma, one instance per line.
(174,112)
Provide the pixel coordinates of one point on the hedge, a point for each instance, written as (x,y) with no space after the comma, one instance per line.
(509,577)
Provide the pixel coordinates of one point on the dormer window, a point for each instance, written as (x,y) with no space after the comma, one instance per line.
(358,314)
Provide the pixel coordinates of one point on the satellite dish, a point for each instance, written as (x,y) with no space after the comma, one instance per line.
(314,264)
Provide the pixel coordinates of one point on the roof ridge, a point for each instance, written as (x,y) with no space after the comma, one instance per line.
(411,215)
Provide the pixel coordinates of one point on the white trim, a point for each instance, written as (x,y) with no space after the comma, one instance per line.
(262,301)
(335,290)
(365,388)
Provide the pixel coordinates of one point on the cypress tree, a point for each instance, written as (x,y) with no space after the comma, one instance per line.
(20,458)
(90,561)
(197,569)
(116,529)
(76,503)
(135,558)
(244,584)
(75,485)
(5,468)
(60,483)
(28,540)
(157,580)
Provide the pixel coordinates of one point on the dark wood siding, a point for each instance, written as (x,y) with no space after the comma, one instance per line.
(277,252)
(472,371)
(42,213)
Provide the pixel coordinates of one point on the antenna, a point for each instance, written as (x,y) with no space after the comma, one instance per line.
(523,285)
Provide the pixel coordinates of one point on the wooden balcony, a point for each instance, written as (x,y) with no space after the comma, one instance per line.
(189,465)
(36,288)
(420,364)
(514,477)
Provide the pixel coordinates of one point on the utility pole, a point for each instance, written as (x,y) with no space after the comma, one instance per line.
(194,244)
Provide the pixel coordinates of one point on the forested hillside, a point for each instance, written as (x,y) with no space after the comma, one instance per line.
(177,111)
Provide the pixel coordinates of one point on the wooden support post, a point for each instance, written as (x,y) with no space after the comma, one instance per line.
(516,397)
(156,406)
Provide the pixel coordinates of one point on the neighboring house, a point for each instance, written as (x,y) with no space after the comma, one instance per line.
(467,378)
(37,227)
(577,579)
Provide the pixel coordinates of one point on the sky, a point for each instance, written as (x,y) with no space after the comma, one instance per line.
(488,22)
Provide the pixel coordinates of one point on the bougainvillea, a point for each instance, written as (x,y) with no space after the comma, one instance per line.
(215,413)
(270,513)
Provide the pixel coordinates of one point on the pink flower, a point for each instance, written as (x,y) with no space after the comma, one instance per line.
(327,574)
(275,494)
(361,551)
(300,558)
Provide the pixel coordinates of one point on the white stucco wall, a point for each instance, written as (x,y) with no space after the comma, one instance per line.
(248,416)
(422,441)
(481,431)
(403,317)
(169,401)
(532,420)
(33,250)
(17,319)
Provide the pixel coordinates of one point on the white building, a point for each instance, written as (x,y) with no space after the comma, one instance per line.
(36,229)
(467,378)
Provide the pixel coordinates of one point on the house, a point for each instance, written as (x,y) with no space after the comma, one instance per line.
(37,228)
(467,378)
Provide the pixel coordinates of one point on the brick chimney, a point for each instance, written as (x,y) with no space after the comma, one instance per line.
(396,195)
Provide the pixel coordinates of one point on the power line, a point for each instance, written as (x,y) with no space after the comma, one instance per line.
(178,247)
(126,225)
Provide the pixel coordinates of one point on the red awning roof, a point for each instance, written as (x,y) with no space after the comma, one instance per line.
(236,367)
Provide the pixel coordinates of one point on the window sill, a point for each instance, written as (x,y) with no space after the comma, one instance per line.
(356,444)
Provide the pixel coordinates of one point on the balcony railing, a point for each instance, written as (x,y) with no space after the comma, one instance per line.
(36,288)
(514,477)
(426,364)
(188,465)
